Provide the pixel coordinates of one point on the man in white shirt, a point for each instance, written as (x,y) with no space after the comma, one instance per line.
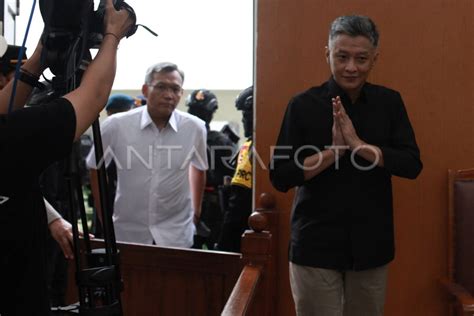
(161,160)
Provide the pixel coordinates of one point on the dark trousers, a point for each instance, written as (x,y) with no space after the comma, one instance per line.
(56,269)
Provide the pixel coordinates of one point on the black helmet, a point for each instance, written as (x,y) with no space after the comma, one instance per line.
(202,103)
(203,99)
(244,101)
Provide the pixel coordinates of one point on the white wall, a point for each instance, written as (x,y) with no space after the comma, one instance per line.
(211,40)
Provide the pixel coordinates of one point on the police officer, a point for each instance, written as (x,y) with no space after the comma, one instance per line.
(203,104)
(239,205)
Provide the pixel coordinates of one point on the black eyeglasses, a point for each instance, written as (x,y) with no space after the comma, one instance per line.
(161,88)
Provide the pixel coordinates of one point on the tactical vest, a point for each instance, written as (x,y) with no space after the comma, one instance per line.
(243,172)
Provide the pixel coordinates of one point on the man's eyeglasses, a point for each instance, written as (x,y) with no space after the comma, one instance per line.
(161,88)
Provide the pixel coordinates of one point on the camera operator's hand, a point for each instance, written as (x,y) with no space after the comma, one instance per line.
(116,22)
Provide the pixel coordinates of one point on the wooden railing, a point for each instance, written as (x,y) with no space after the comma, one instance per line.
(255,291)
(244,291)
(174,281)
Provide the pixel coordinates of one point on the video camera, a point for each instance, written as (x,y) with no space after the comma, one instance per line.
(71,28)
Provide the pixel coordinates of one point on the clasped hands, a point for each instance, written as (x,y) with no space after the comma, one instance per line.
(344,135)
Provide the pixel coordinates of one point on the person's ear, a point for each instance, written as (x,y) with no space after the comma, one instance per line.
(145,90)
(327,52)
(373,58)
(376,56)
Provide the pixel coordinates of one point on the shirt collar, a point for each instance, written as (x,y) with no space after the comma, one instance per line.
(334,90)
(173,121)
(146,120)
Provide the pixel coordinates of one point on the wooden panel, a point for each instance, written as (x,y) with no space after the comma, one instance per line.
(426,54)
(168,281)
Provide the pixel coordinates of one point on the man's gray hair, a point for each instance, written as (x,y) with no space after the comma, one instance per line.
(354,25)
(164,67)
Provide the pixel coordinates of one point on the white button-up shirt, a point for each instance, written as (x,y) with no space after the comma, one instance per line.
(153,198)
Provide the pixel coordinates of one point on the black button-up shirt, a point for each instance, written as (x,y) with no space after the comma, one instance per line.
(343,217)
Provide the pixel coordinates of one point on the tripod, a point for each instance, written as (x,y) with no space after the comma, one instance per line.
(98,276)
(71,28)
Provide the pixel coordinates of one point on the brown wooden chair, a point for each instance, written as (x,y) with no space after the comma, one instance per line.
(460,281)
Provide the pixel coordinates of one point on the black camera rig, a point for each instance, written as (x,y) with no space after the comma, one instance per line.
(72,28)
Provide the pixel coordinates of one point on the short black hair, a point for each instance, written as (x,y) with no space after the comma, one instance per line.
(354,25)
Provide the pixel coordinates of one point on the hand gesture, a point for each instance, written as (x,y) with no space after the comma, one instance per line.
(337,137)
(345,123)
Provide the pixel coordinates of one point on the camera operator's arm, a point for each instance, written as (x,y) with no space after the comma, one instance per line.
(23,90)
(91,96)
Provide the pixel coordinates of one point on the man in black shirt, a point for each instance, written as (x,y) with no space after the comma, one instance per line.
(340,143)
(24,135)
